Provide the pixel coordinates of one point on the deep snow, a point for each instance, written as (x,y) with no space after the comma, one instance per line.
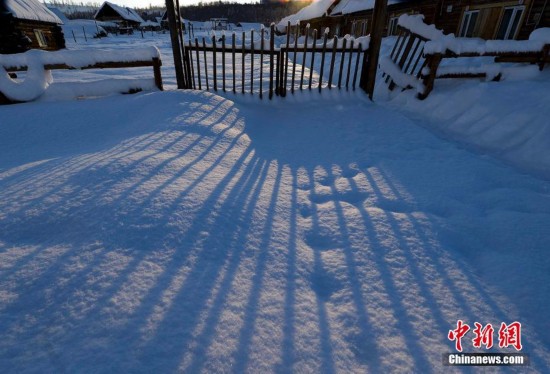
(196,233)
(316,233)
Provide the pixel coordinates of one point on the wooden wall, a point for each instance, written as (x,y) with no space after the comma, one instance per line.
(447,16)
(53,34)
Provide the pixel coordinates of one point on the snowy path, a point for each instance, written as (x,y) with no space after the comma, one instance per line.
(189,232)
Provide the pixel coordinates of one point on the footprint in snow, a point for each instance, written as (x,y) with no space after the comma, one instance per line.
(325,284)
(323,239)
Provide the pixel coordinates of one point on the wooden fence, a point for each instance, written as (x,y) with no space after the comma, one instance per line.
(411,65)
(154,62)
(407,54)
(261,67)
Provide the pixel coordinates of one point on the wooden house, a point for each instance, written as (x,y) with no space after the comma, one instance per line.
(467,18)
(127,19)
(499,19)
(28,24)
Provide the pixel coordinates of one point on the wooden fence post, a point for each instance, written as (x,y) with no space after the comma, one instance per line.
(156,71)
(175,39)
(370,59)
(432,63)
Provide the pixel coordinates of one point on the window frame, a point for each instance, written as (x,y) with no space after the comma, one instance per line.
(465,24)
(507,34)
(41,38)
(392,26)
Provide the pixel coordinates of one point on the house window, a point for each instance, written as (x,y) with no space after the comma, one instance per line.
(510,21)
(42,42)
(392,28)
(468,24)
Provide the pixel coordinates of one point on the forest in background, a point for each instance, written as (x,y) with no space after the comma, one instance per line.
(203,11)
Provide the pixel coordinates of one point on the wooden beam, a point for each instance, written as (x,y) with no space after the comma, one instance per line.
(370,59)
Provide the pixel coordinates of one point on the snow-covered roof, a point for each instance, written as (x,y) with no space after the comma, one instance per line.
(352,6)
(149,23)
(314,10)
(128,14)
(31,10)
(58,13)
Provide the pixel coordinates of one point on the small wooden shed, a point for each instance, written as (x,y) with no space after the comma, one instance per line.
(123,16)
(28,24)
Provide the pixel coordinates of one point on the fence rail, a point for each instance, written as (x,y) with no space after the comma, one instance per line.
(261,67)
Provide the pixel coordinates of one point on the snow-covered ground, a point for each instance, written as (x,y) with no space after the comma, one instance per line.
(168,231)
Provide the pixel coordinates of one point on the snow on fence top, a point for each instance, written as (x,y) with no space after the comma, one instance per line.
(439,42)
(31,10)
(80,58)
(542,34)
(38,77)
(415,23)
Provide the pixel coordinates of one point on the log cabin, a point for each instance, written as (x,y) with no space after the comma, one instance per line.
(485,19)
(28,24)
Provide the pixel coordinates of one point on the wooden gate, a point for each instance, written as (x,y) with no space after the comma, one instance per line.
(256,65)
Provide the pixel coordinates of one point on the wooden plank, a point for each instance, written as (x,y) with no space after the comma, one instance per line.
(261,62)
(349,63)
(243,62)
(313,45)
(462,75)
(332,60)
(416,43)
(324,50)
(418,58)
(356,69)
(198,64)
(278,75)
(223,62)
(285,60)
(252,62)
(296,34)
(192,75)
(304,57)
(233,37)
(214,64)
(271,56)
(99,65)
(342,63)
